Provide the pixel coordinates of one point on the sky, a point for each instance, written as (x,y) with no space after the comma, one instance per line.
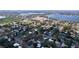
(39,4)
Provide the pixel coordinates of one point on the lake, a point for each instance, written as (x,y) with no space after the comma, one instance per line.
(1,17)
(64,17)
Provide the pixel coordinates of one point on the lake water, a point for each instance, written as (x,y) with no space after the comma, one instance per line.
(1,17)
(64,17)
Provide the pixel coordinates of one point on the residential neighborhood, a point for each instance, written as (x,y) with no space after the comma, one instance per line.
(38,31)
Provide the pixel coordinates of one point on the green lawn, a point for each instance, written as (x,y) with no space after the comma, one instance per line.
(8,20)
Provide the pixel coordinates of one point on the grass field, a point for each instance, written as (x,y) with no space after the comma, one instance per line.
(8,20)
